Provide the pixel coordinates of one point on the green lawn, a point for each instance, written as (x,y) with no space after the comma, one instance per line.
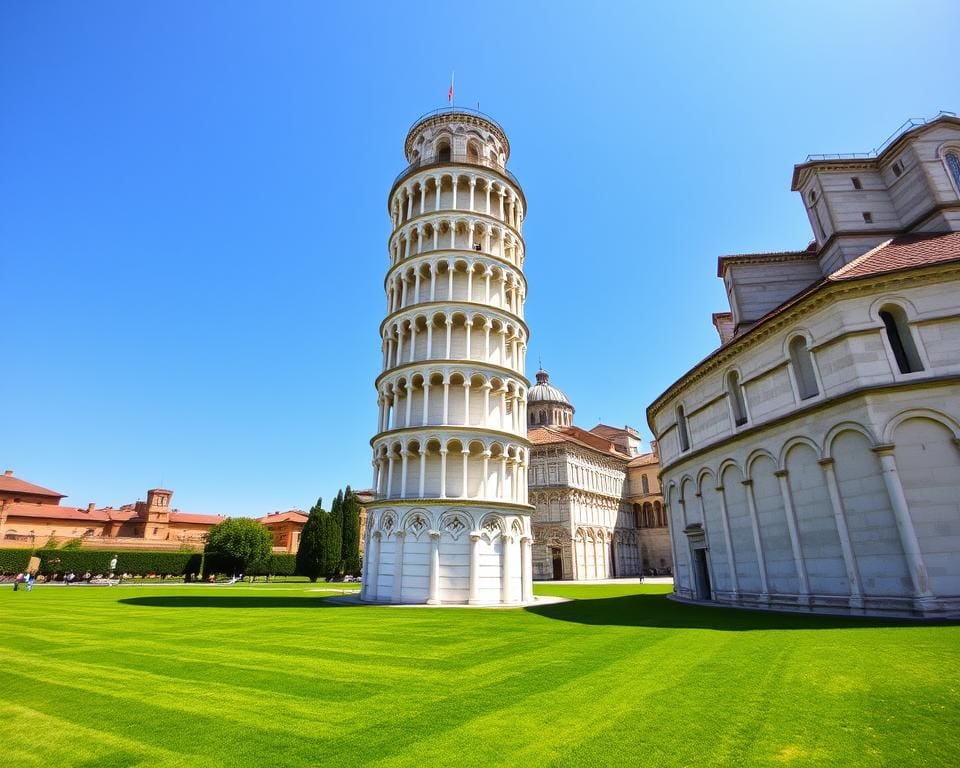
(273,675)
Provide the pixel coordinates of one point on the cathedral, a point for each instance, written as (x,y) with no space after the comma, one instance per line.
(599,511)
(812,461)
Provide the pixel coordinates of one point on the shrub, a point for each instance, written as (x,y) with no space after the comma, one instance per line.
(14,560)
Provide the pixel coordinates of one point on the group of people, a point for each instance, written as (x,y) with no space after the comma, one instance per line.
(23,578)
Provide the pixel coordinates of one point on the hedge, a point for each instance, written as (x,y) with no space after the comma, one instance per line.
(140,563)
(14,560)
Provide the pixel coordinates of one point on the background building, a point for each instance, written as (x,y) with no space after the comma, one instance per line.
(599,511)
(451,521)
(813,460)
(33,516)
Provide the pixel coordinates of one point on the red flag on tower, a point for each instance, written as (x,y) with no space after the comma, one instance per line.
(450,92)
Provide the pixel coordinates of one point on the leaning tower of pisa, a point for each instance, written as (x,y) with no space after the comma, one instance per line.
(451,523)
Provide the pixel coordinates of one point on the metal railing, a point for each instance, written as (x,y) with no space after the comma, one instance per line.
(455,111)
(454,159)
(913,122)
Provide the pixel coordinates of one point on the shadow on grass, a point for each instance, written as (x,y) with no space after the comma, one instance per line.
(229,601)
(658,611)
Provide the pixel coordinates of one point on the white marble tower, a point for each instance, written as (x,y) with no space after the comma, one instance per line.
(451,522)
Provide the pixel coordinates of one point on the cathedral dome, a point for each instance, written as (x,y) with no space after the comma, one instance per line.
(546,405)
(544,392)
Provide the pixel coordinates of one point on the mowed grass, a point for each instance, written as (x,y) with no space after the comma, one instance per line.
(274,675)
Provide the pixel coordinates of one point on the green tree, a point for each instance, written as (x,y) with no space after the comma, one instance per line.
(330,556)
(350,532)
(240,543)
(310,551)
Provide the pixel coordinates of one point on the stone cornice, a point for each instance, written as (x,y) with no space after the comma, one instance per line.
(451,432)
(457,363)
(455,306)
(445,254)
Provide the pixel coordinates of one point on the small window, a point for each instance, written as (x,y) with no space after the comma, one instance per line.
(856,183)
(813,196)
(803,369)
(897,168)
(645,484)
(952,160)
(868,217)
(682,429)
(901,340)
(737,404)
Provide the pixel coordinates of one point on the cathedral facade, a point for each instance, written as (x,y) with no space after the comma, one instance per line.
(599,512)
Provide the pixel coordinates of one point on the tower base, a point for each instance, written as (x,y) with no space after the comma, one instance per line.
(439,552)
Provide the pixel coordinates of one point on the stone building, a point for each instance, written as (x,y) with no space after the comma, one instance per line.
(32,516)
(451,522)
(598,507)
(812,461)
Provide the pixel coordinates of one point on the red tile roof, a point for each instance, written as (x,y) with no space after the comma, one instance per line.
(903,252)
(190,517)
(644,460)
(552,435)
(11,484)
(54,512)
(293,515)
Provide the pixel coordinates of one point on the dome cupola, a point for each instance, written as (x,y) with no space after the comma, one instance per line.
(548,406)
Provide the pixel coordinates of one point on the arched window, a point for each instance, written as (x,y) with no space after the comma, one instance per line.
(443,151)
(901,340)
(682,429)
(473,152)
(952,159)
(737,404)
(803,368)
(645,484)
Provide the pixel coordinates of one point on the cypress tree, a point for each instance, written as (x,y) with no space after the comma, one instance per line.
(330,536)
(350,512)
(310,553)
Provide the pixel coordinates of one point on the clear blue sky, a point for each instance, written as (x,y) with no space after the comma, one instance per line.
(193,207)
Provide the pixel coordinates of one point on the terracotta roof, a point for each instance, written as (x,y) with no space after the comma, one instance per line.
(644,460)
(293,515)
(903,252)
(190,517)
(11,484)
(552,435)
(605,429)
(54,512)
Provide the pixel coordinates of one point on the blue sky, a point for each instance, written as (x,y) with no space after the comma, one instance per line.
(193,207)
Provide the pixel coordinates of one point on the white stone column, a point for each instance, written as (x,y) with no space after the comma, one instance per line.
(443,473)
(449,336)
(473,185)
(446,401)
(437,181)
(474,597)
(453,205)
(404,460)
(526,568)
(423,195)
(398,566)
(908,535)
(430,339)
(728,542)
(466,402)
(423,471)
(468,330)
(390,475)
(489,190)
(506,566)
(373,567)
(757,544)
(791,515)
(434,595)
(466,472)
(840,517)
(425,417)
(482,493)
